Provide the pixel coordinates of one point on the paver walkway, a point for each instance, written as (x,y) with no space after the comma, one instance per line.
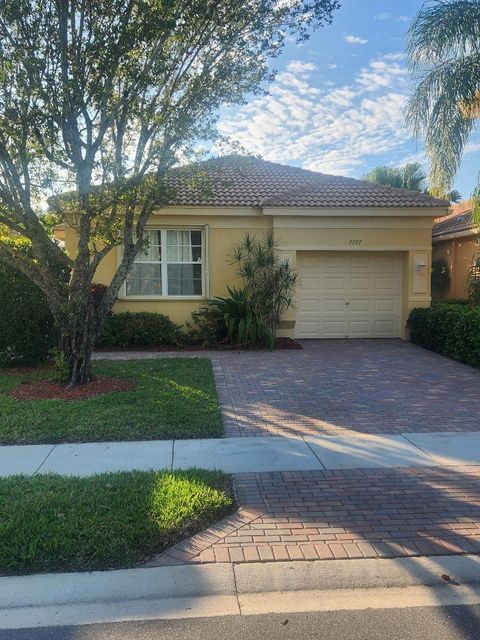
(343,514)
(341,387)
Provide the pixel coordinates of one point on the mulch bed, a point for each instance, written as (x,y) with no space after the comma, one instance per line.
(47,389)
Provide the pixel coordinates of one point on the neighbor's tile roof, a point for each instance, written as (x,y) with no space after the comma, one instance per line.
(246,181)
(458,221)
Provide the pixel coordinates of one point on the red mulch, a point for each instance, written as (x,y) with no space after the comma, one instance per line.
(43,389)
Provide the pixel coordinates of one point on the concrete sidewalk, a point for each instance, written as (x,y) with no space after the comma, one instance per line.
(247,455)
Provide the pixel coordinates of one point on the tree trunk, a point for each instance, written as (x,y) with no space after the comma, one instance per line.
(78,337)
(77,348)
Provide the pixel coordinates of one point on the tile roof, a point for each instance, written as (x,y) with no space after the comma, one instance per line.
(459,221)
(247,181)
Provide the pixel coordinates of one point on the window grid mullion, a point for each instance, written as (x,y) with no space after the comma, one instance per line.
(163,261)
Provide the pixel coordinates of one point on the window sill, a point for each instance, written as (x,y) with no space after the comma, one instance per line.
(163,298)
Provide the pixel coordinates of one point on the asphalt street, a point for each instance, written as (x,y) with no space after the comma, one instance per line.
(422,623)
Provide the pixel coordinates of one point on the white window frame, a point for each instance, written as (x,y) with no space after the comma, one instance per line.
(164,265)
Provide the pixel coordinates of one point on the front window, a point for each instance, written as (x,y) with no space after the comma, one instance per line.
(170,265)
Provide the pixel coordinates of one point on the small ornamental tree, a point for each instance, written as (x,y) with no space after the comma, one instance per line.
(97,101)
(268,287)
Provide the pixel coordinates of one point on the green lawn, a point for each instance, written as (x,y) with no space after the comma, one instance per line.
(112,520)
(174,398)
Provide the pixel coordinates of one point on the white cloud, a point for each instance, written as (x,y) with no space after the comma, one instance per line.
(410,158)
(472,147)
(383,16)
(300,67)
(383,73)
(331,129)
(332,66)
(355,39)
(390,16)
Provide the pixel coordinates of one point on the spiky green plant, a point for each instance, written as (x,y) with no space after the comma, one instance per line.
(243,326)
(411,176)
(268,281)
(444,56)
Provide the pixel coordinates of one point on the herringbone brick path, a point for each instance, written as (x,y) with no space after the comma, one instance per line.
(343,514)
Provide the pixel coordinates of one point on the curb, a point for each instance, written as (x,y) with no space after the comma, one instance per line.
(228,589)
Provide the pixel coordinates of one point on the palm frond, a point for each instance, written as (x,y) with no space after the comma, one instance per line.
(411,176)
(443,29)
(438,111)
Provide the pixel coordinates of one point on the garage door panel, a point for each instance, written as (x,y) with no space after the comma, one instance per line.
(334,284)
(360,284)
(308,306)
(334,328)
(332,305)
(388,305)
(385,328)
(359,305)
(359,328)
(310,283)
(333,261)
(386,284)
(366,300)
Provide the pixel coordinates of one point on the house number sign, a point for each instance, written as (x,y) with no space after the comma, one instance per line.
(354,242)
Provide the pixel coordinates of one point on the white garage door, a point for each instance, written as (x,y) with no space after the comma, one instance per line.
(348,295)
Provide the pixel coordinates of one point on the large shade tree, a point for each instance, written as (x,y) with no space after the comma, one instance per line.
(444,56)
(97,100)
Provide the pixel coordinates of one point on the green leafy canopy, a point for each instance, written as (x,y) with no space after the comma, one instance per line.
(98,99)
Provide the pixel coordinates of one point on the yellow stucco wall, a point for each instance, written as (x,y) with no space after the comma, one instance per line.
(405,231)
(461,254)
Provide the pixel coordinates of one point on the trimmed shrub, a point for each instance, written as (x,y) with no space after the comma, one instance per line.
(207,328)
(473,285)
(27,328)
(143,329)
(450,329)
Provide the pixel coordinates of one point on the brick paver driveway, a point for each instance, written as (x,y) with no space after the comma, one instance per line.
(336,387)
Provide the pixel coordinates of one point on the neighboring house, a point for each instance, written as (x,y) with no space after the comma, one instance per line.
(362,250)
(456,244)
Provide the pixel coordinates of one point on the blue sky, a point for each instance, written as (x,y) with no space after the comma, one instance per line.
(338,99)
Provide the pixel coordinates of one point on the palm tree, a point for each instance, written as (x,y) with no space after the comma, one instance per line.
(454,195)
(444,56)
(410,176)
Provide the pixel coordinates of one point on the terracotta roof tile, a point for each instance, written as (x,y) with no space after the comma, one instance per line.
(459,220)
(246,181)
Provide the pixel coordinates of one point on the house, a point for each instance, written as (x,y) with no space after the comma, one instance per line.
(363,251)
(456,249)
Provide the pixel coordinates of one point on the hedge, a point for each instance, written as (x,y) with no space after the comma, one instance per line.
(27,328)
(143,329)
(449,328)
